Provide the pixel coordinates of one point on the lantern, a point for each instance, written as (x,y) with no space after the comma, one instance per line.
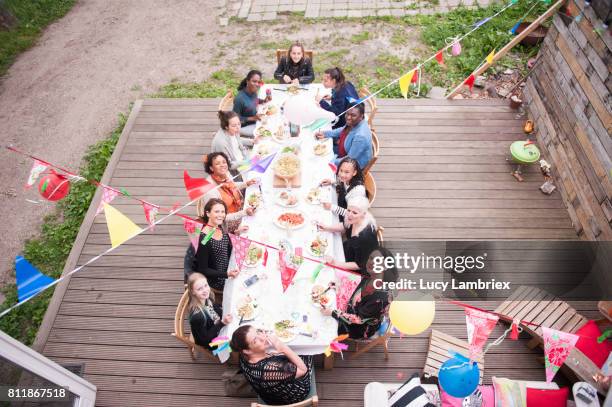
(54,186)
(456,49)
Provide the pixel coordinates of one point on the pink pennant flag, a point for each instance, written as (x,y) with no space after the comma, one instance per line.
(333,167)
(265,258)
(37,169)
(346,283)
(479,327)
(557,347)
(193,229)
(150,212)
(108,194)
(240,247)
(287,272)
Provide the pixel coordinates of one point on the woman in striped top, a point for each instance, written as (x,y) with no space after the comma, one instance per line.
(349,183)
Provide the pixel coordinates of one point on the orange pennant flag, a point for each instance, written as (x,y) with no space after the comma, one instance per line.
(470,82)
(440,57)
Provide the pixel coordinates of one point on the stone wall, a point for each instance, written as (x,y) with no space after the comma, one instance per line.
(568,97)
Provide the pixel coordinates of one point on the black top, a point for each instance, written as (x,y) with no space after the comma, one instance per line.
(358,248)
(370,308)
(303,72)
(273,379)
(212,260)
(203,327)
(340,102)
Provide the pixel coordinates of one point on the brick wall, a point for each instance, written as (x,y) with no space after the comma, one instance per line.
(568,97)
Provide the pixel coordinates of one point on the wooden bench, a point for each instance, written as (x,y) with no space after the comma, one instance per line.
(439,346)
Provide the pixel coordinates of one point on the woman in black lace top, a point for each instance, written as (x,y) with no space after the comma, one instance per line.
(204,316)
(282,377)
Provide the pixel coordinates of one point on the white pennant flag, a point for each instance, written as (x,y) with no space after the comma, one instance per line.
(37,169)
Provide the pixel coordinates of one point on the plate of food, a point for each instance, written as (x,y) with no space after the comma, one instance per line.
(247,308)
(319,296)
(293,89)
(318,247)
(284,330)
(254,199)
(263,149)
(271,110)
(253,256)
(263,132)
(279,135)
(287,199)
(314,196)
(291,149)
(287,165)
(290,220)
(321,148)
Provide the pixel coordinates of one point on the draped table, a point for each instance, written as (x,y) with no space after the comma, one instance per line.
(295,304)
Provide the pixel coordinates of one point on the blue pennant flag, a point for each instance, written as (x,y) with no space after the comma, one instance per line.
(352,100)
(516,26)
(481,22)
(29,280)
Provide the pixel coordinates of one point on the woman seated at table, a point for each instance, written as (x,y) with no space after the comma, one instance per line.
(217,165)
(204,316)
(354,139)
(294,67)
(349,183)
(227,140)
(368,304)
(343,92)
(246,101)
(360,229)
(279,377)
(215,246)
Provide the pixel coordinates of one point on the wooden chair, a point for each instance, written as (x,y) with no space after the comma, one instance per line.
(379,235)
(313,401)
(283,52)
(544,309)
(227,103)
(375,153)
(370,186)
(371,105)
(179,330)
(439,345)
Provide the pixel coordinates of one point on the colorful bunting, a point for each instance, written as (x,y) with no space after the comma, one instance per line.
(120,227)
(333,167)
(347,282)
(415,77)
(316,272)
(317,124)
(514,333)
(557,347)
(287,272)
(263,164)
(470,82)
(265,258)
(193,229)
(29,280)
(150,212)
(440,57)
(240,247)
(490,57)
(37,169)
(456,49)
(108,194)
(404,83)
(516,26)
(481,22)
(479,327)
(196,187)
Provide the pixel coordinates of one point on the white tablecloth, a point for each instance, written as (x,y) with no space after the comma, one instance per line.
(295,303)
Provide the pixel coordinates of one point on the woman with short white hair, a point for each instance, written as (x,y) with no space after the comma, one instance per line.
(360,229)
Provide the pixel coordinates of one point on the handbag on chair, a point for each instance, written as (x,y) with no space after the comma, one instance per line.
(236,385)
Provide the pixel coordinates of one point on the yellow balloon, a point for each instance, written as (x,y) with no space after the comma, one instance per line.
(414,316)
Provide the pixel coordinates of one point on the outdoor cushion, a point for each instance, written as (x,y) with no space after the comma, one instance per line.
(547,398)
(484,396)
(587,343)
(410,394)
(513,393)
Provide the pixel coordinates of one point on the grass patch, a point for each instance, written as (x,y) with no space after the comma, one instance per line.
(49,252)
(361,37)
(32,17)
(216,86)
(283,44)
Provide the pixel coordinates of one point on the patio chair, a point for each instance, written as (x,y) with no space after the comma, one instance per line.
(545,310)
(371,104)
(283,52)
(188,268)
(179,330)
(375,152)
(439,345)
(227,103)
(370,186)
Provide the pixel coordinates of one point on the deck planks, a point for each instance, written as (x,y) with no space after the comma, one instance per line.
(441,176)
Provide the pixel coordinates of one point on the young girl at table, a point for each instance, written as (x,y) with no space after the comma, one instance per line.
(204,316)
(368,305)
(279,377)
(343,92)
(349,183)
(294,67)
(215,246)
(360,229)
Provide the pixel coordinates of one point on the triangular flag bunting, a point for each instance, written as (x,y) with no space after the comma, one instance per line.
(208,236)
(263,164)
(479,326)
(196,187)
(333,167)
(265,258)
(120,227)
(193,229)
(346,284)
(557,347)
(37,169)
(317,124)
(108,194)
(440,57)
(470,82)
(150,212)
(316,272)
(415,77)
(287,272)
(29,280)
(240,247)
(490,57)
(516,26)
(404,83)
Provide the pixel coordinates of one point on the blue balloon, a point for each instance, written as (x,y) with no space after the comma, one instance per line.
(458,377)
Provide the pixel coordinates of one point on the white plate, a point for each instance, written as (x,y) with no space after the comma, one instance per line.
(317,255)
(280,201)
(323,152)
(315,201)
(296,211)
(256,310)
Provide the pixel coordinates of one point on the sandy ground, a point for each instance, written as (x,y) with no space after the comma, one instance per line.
(64,94)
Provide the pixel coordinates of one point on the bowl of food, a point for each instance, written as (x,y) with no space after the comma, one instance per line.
(290,220)
(263,132)
(284,330)
(287,199)
(287,165)
(314,196)
(247,308)
(253,256)
(318,247)
(291,149)
(318,296)
(293,89)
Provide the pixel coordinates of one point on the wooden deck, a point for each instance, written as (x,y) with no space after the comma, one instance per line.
(441,176)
